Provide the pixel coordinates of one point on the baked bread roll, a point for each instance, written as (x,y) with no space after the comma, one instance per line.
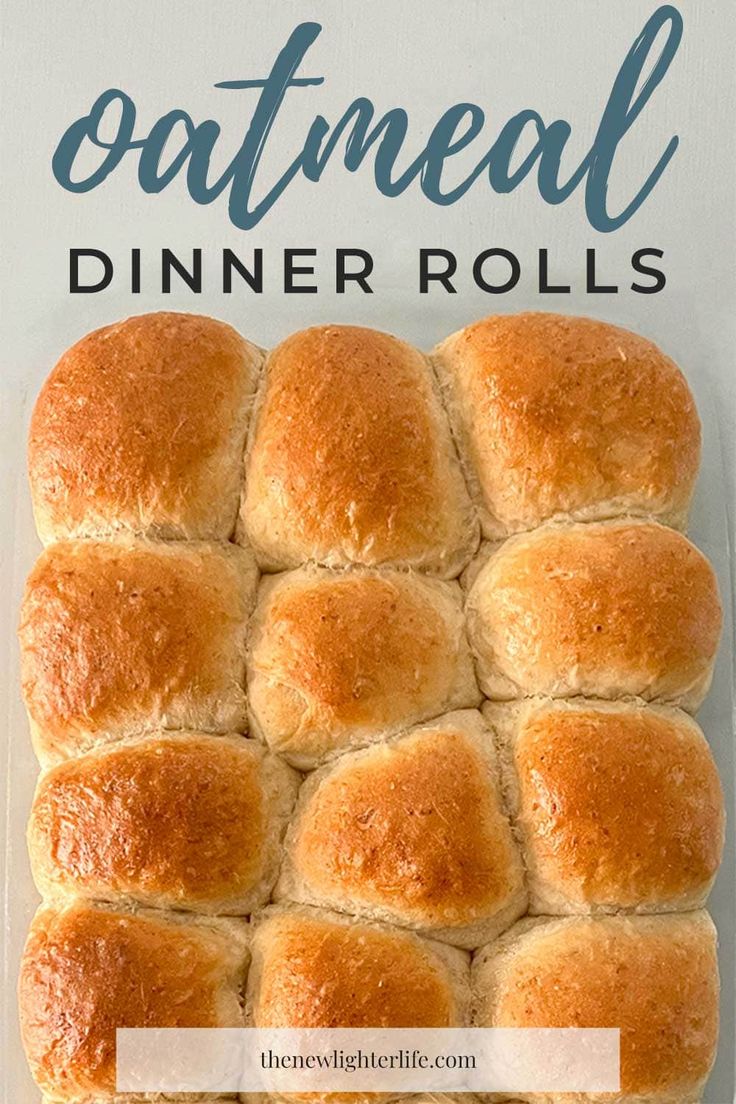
(88,970)
(436,1098)
(654,977)
(176,820)
(351,460)
(159,1098)
(600,610)
(340,659)
(320,969)
(413,833)
(121,638)
(141,428)
(617,805)
(560,417)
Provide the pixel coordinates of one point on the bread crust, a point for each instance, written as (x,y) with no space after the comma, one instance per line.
(412,832)
(654,977)
(87,970)
(141,428)
(175,820)
(350,459)
(337,660)
(120,638)
(616,805)
(312,968)
(607,610)
(568,418)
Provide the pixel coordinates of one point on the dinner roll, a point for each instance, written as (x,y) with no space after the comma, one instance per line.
(351,459)
(411,832)
(336,660)
(654,977)
(87,971)
(320,969)
(617,805)
(120,638)
(175,820)
(571,418)
(141,428)
(601,610)
(437,1098)
(148,1098)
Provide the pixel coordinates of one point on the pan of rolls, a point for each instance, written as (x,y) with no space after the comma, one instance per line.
(362,684)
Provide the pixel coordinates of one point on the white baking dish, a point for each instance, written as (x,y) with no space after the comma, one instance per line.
(708,529)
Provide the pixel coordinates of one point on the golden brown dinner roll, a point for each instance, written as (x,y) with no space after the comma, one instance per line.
(654,977)
(119,638)
(150,1098)
(351,460)
(411,832)
(87,971)
(141,428)
(321,969)
(439,1098)
(601,610)
(176,820)
(568,417)
(617,805)
(339,659)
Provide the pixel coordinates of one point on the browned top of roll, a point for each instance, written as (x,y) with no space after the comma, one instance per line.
(602,610)
(141,427)
(619,805)
(655,978)
(343,658)
(313,969)
(117,638)
(414,828)
(570,416)
(351,460)
(87,971)
(177,820)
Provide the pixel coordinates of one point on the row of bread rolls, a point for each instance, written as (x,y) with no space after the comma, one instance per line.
(139,435)
(119,638)
(141,428)
(616,807)
(90,968)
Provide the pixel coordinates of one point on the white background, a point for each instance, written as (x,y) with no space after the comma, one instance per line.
(558,56)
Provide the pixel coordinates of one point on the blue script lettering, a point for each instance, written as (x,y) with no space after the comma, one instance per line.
(358,132)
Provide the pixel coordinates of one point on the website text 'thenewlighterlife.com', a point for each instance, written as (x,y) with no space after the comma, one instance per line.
(303,1060)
